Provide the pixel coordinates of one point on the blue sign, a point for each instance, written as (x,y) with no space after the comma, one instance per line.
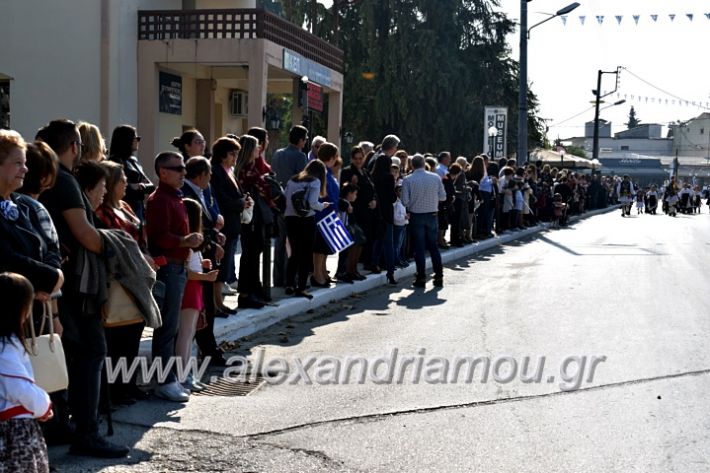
(294,62)
(170,93)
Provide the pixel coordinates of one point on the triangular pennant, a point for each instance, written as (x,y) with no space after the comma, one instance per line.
(653,100)
(654,18)
(690,16)
(600,19)
(646,99)
(707,15)
(632,96)
(636,18)
(582,18)
(564,20)
(618,18)
(671,16)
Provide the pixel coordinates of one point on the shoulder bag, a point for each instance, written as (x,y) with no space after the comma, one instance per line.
(120,309)
(47,354)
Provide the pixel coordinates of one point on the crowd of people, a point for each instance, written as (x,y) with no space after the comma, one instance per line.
(82,225)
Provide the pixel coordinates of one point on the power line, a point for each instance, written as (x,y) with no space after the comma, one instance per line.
(572,117)
(680,99)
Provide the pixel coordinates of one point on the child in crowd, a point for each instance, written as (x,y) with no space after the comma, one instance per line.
(400,229)
(639,202)
(192,301)
(559,209)
(22,402)
(351,255)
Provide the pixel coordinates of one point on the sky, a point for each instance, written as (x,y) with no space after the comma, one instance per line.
(563,60)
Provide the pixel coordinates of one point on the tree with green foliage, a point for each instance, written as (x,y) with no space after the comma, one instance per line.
(432,65)
(633,120)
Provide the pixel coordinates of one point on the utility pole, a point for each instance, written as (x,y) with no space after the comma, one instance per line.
(597,101)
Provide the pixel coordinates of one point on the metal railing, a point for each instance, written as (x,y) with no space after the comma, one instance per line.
(247,23)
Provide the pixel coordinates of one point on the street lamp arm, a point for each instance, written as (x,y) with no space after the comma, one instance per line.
(560,12)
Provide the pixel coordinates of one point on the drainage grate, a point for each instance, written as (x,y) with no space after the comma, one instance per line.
(228,387)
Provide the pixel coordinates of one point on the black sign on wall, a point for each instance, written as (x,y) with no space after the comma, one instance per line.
(170,93)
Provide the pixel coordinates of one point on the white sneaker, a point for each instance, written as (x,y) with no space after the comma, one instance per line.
(228,291)
(171,392)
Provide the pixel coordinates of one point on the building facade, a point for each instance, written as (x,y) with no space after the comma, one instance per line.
(163,65)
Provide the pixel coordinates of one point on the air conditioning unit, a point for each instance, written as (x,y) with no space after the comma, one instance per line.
(239,103)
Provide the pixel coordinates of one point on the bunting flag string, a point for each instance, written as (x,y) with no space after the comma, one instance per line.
(637,18)
(662,101)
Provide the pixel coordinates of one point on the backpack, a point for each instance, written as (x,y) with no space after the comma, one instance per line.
(299,200)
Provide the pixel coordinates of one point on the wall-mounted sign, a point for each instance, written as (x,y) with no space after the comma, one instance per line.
(497,117)
(315,97)
(170,93)
(294,62)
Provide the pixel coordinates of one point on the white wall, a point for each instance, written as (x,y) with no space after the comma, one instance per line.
(52,50)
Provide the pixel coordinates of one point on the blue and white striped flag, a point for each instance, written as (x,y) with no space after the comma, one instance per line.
(334,232)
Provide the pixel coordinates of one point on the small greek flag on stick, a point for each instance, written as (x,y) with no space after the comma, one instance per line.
(334,232)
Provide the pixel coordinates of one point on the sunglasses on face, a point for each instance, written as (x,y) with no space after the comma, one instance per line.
(180,168)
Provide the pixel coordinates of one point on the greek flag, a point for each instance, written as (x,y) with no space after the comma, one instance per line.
(334,232)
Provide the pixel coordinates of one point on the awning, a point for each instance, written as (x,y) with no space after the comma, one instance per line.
(555,159)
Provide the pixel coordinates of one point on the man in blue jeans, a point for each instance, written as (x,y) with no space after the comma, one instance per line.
(421,193)
(169,237)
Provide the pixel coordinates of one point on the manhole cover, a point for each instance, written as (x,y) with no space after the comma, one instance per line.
(228,387)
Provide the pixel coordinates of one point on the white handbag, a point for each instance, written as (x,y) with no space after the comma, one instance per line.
(47,355)
(247,215)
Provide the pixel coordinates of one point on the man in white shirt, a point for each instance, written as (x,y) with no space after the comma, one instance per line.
(421,193)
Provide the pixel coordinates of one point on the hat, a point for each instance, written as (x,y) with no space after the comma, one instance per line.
(396,161)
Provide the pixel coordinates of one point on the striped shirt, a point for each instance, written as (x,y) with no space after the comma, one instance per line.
(422,191)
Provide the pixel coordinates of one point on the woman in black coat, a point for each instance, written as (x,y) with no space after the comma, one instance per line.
(365,211)
(124,142)
(231,201)
(386,197)
(22,248)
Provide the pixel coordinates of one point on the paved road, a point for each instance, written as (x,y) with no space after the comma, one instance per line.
(627,296)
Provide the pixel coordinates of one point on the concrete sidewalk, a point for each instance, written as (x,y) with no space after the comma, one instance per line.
(250,321)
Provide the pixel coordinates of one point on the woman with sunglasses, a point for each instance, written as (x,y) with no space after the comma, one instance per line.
(124,143)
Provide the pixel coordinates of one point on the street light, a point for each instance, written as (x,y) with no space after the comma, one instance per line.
(492,133)
(522,152)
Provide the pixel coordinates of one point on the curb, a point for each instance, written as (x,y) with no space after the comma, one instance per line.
(250,321)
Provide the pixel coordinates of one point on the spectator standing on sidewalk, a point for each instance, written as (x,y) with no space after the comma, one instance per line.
(421,192)
(169,237)
(286,163)
(83,338)
(232,203)
(315,146)
(124,143)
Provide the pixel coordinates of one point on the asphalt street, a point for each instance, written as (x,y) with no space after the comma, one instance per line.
(619,302)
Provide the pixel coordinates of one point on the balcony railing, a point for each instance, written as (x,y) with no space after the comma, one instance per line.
(248,23)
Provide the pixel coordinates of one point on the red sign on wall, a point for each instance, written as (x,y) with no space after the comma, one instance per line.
(315,97)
